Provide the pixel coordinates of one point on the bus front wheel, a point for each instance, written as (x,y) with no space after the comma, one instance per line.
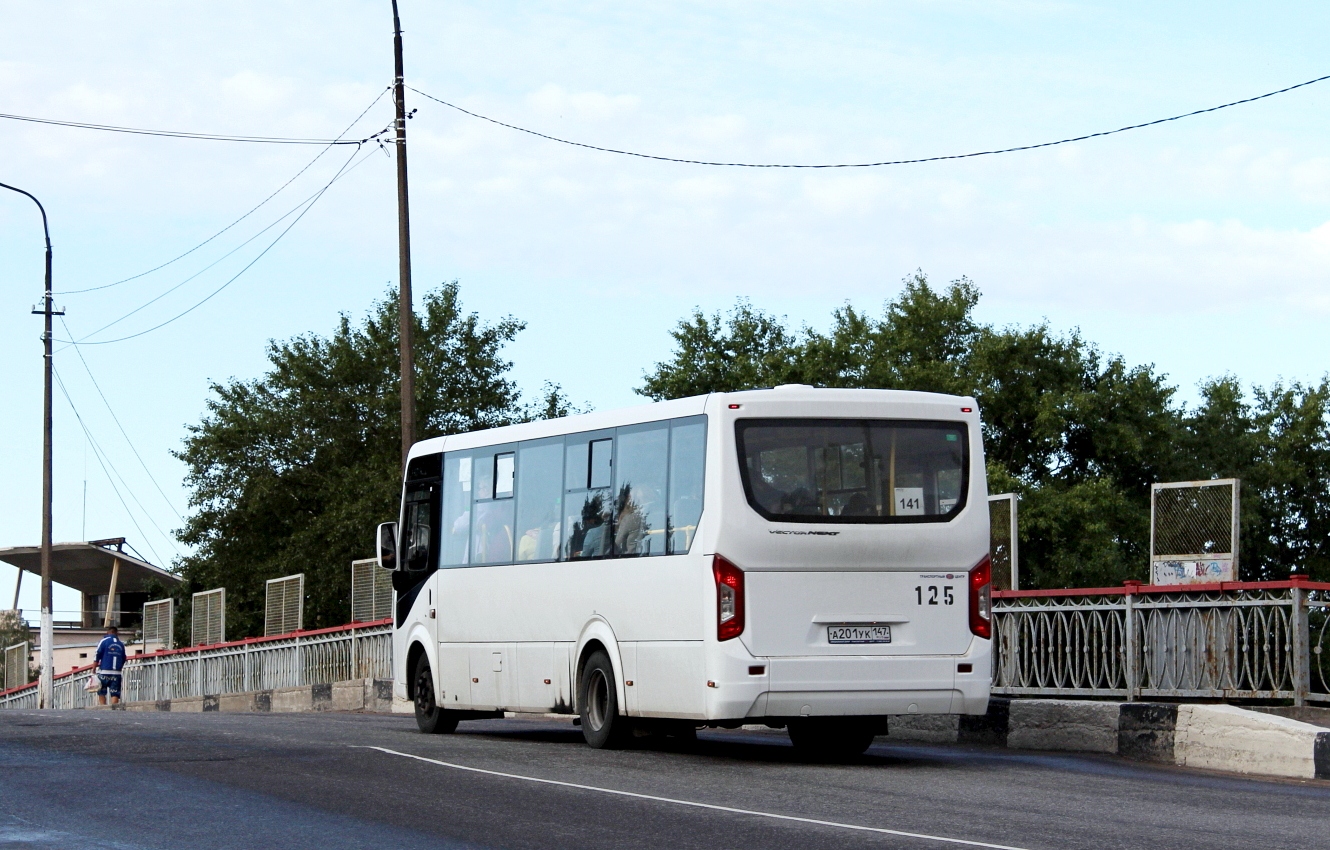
(431,719)
(603,726)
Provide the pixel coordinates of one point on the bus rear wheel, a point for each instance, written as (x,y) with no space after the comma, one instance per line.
(603,726)
(431,719)
(830,737)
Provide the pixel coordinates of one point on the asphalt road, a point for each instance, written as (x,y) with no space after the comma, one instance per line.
(84,779)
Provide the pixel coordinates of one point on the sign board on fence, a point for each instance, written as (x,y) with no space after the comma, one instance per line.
(1194,532)
(1193,572)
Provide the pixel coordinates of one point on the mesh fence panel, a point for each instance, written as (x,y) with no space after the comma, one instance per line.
(208,623)
(284,608)
(158,622)
(16,666)
(999,540)
(1193,520)
(371,591)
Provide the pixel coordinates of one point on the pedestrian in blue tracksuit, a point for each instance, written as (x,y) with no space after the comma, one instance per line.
(110,663)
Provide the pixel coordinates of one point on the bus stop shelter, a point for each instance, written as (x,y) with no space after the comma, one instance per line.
(113,584)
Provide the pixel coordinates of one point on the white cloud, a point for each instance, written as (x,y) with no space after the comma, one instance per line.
(553,100)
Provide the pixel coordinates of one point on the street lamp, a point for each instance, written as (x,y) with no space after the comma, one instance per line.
(46,686)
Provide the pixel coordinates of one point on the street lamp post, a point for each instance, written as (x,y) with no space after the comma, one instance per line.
(46,685)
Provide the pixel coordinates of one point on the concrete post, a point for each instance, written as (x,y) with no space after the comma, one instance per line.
(110,597)
(1299,640)
(1129,642)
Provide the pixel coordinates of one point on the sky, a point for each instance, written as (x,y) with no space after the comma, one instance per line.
(1200,246)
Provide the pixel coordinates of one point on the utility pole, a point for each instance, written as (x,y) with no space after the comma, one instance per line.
(405,320)
(46,685)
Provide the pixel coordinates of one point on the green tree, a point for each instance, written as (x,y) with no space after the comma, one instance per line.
(291,472)
(717,354)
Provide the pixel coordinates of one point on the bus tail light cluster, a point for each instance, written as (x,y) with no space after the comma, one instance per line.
(981,598)
(729,598)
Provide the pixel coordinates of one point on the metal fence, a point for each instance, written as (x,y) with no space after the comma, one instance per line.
(1240,640)
(358,651)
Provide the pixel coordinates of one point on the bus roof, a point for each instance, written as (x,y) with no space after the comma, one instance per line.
(671,409)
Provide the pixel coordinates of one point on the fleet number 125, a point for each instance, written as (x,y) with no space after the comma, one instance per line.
(948,594)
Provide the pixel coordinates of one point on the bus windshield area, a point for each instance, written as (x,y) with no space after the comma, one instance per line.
(864,471)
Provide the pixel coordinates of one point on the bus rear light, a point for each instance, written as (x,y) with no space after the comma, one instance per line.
(981,599)
(729,598)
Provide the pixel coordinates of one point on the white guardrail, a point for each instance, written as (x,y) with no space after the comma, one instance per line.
(321,656)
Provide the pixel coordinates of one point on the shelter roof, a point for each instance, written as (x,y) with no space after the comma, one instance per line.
(87,567)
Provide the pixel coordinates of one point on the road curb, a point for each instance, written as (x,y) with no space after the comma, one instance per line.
(1215,737)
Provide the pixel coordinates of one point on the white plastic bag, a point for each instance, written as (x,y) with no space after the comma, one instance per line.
(94,683)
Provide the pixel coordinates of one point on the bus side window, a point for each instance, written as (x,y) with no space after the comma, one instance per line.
(588,503)
(456,510)
(687,469)
(640,485)
(539,499)
(491,517)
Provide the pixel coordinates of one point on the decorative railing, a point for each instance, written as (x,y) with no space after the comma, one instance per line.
(1236,640)
(321,656)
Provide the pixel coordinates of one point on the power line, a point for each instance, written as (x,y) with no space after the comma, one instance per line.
(104,462)
(215,262)
(866,164)
(123,432)
(307,204)
(310,164)
(180,134)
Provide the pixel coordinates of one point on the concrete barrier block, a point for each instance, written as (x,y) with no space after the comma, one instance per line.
(1146,730)
(292,699)
(379,695)
(187,704)
(403,706)
(924,728)
(321,697)
(149,705)
(1224,737)
(349,696)
(236,702)
(1074,725)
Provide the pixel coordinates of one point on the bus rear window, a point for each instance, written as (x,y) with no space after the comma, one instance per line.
(853,471)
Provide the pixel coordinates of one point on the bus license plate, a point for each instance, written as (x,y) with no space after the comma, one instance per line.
(858,634)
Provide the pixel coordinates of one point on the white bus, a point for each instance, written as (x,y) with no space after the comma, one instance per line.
(814,559)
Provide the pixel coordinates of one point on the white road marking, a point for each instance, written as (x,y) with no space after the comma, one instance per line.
(772,815)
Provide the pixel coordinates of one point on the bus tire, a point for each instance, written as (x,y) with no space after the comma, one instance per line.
(431,719)
(831,737)
(603,726)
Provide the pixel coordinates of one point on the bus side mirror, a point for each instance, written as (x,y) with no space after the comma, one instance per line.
(387,545)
